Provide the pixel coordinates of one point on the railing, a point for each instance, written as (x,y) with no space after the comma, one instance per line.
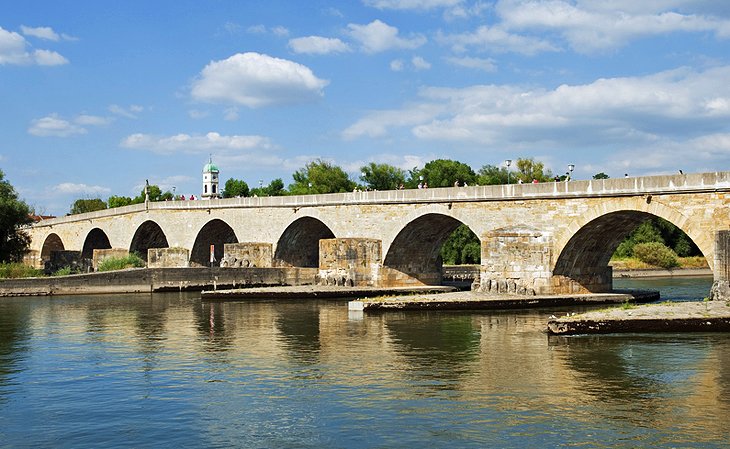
(648,185)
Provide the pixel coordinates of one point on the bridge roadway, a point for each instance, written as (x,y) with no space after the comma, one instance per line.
(554,237)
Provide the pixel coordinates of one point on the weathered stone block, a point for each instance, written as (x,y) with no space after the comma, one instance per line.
(247,255)
(167,257)
(350,261)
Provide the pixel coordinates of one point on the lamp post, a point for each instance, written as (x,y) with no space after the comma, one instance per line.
(508,162)
(571,167)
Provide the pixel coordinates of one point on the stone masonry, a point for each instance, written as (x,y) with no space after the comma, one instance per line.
(554,237)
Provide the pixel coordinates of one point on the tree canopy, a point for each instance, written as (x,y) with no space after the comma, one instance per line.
(382,176)
(492,175)
(84,205)
(529,169)
(234,188)
(320,177)
(446,172)
(14,214)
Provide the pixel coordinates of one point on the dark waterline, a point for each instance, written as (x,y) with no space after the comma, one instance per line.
(165,371)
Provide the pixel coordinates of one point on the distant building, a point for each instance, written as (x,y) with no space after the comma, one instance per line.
(210,180)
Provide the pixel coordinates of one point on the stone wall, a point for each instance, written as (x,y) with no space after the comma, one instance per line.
(141,280)
(350,261)
(247,255)
(167,257)
(516,260)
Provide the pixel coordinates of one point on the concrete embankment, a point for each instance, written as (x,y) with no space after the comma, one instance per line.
(144,280)
(705,316)
(485,301)
(318,291)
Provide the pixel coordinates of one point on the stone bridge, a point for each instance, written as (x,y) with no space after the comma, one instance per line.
(546,238)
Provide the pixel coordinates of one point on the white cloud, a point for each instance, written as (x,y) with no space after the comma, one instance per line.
(377,37)
(485,64)
(47,57)
(53,125)
(128,112)
(257,80)
(68,188)
(625,112)
(318,45)
(496,40)
(412,4)
(56,126)
(279,31)
(420,64)
(92,120)
(41,33)
(196,144)
(397,65)
(590,26)
(13,50)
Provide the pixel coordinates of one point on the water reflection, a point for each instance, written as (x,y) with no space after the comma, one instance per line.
(306,374)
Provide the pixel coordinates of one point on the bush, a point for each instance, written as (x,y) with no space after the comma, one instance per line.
(120,263)
(657,254)
(18,270)
(65,271)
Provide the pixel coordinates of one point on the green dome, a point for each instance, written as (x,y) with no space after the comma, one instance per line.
(210,167)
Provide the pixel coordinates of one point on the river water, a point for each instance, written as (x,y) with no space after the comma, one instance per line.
(169,371)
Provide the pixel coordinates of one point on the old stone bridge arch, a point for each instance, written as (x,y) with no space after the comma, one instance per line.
(412,250)
(586,245)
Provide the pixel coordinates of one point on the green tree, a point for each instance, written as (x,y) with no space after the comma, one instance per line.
(320,177)
(274,188)
(529,169)
(14,214)
(492,175)
(81,206)
(382,176)
(234,188)
(461,247)
(118,201)
(155,193)
(600,175)
(445,172)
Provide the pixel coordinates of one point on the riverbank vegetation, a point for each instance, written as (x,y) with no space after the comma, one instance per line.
(121,263)
(18,270)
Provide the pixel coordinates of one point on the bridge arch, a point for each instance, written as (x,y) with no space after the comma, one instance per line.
(584,249)
(52,243)
(215,232)
(148,235)
(298,245)
(95,239)
(414,255)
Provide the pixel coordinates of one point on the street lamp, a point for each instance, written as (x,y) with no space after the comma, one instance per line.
(571,167)
(508,162)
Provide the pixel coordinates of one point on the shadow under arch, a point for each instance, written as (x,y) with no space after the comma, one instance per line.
(414,256)
(583,262)
(148,235)
(52,243)
(95,239)
(216,232)
(298,245)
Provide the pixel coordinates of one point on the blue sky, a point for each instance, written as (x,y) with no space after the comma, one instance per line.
(99,96)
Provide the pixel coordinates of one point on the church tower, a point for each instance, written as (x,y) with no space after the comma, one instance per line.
(210,180)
